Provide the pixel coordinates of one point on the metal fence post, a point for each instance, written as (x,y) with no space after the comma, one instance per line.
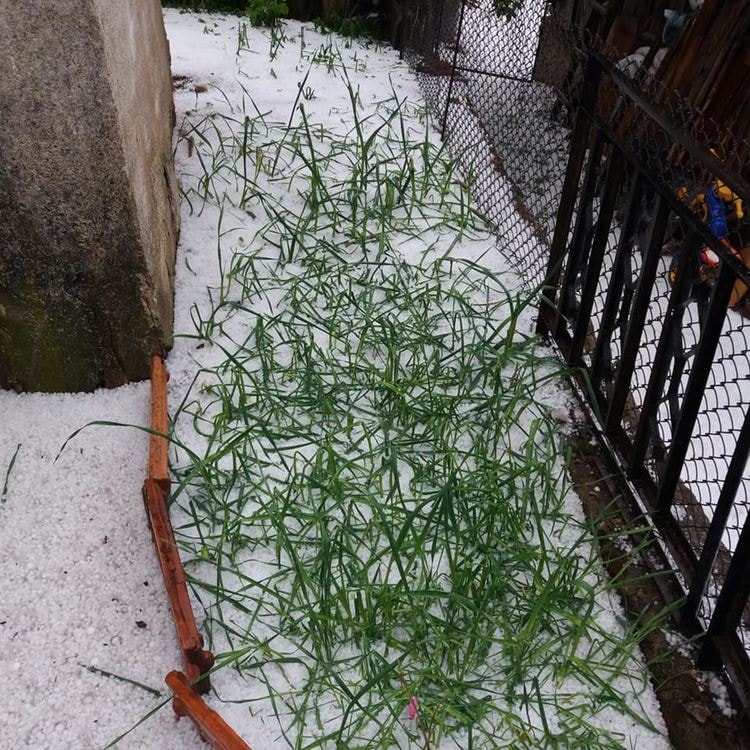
(602,231)
(444,126)
(580,241)
(438,36)
(578,143)
(600,359)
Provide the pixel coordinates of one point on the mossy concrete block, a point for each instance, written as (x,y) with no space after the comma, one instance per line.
(89,212)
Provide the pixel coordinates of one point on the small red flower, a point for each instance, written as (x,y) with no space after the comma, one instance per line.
(412,708)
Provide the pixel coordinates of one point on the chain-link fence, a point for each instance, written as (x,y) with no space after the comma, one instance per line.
(630,204)
(504,111)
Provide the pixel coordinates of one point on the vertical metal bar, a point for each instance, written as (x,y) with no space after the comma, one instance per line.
(578,143)
(598,249)
(582,229)
(638,314)
(616,282)
(735,475)
(601,358)
(660,365)
(453,68)
(699,373)
(681,358)
(731,602)
(439,34)
(629,286)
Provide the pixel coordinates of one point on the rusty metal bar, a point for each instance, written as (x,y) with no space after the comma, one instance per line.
(211,727)
(158,446)
(197,660)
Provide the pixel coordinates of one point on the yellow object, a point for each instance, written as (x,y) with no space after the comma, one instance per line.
(729,196)
(698,204)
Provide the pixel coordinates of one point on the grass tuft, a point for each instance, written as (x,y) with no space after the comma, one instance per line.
(374,508)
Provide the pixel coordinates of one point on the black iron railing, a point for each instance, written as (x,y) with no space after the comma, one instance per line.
(609,246)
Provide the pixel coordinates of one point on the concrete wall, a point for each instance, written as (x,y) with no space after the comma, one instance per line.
(137,54)
(88,203)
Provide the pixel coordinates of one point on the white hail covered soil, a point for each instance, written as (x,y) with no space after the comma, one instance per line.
(80,585)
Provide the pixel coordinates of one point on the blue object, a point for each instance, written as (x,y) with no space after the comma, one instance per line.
(717,220)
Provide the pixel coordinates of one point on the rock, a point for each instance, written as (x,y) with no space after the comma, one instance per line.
(698,711)
(560,414)
(88,194)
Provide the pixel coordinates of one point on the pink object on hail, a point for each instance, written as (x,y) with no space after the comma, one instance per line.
(413,707)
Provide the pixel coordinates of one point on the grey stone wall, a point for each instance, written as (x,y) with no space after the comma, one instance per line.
(88,202)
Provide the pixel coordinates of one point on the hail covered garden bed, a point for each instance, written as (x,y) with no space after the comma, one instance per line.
(370,494)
